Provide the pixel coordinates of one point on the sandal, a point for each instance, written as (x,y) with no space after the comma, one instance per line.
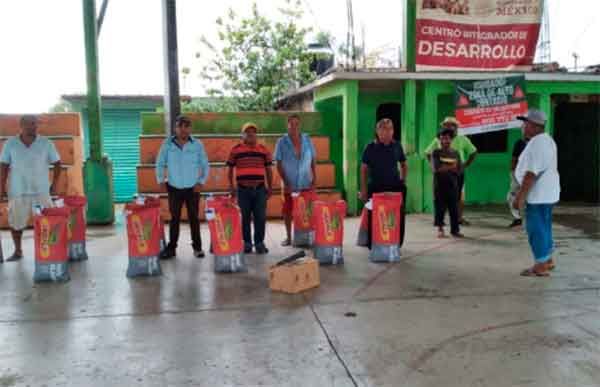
(441,235)
(550,264)
(14,258)
(533,272)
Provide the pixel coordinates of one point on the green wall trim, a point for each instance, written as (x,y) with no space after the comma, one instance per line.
(350,151)
(218,123)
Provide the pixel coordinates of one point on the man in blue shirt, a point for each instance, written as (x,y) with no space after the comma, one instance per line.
(295,155)
(24,163)
(187,168)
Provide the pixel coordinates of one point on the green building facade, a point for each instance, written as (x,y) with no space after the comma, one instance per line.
(351,102)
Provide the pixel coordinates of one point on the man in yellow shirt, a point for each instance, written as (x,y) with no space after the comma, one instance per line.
(467,152)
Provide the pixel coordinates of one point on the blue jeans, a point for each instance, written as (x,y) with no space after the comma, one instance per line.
(253,204)
(538,223)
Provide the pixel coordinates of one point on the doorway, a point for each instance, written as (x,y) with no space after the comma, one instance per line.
(393,112)
(577,135)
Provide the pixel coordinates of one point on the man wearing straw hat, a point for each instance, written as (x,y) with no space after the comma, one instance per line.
(251,163)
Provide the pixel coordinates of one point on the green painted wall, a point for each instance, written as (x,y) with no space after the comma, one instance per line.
(424,105)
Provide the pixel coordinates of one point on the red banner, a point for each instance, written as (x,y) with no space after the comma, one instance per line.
(50,235)
(302,212)
(386,217)
(497,35)
(77,225)
(144,230)
(328,219)
(225,227)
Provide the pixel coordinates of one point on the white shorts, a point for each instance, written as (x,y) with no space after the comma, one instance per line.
(20,209)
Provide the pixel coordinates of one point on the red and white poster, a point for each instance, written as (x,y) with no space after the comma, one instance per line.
(465,35)
(490,105)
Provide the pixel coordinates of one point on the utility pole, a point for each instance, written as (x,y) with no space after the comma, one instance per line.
(363,48)
(97,169)
(172,103)
(575,59)
(350,36)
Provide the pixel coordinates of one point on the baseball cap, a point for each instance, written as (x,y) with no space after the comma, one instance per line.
(450,120)
(249,125)
(534,116)
(445,131)
(183,119)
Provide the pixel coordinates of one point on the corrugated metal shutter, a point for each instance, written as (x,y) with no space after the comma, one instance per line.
(121,130)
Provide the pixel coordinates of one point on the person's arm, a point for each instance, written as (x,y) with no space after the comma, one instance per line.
(230,178)
(57,170)
(429,150)
(204,166)
(54,159)
(279,164)
(471,150)
(364,175)
(513,163)
(5,161)
(403,170)
(161,164)
(269,172)
(403,165)
(4,168)
(526,185)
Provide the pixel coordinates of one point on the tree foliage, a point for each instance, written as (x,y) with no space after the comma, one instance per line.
(258,60)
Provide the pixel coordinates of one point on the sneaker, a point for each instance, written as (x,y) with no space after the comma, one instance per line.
(247,249)
(286,242)
(261,249)
(167,254)
(457,235)
(515,223)
(198,253)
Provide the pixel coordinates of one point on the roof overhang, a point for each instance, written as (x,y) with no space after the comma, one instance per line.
(447,76)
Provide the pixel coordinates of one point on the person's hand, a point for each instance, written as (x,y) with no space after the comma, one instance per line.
(363,196)
(519,201)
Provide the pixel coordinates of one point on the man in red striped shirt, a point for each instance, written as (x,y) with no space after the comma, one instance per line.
(252,164)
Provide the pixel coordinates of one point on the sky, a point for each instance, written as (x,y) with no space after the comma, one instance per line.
(43,55)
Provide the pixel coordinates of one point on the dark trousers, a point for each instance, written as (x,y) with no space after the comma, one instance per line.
(191,199)
(253,204)
(446,198)
(394,188)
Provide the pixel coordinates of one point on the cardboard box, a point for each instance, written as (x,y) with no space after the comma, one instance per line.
(295,277)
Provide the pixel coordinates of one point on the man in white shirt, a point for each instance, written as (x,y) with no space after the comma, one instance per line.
(24,164)
(537,174)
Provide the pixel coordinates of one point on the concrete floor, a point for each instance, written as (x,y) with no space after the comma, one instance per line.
(452,313)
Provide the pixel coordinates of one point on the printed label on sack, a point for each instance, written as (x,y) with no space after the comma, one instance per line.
(142,232)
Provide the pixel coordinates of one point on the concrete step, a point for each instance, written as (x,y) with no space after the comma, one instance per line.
(53,124)
(218,146)
(218,181)
(274,204)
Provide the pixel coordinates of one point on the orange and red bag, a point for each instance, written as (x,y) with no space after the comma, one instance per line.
(303,235)
(144,234)
(363,230)
(51,245)
(385,230)
(77,227)
(225,224)
(328,220)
